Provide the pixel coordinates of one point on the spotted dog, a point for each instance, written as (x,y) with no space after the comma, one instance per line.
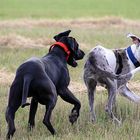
(112,69)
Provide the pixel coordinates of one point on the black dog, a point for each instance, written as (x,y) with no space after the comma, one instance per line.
(44,79)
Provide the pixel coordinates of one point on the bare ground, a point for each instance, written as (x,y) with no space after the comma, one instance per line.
(84,23)
(16,40)
(6,78)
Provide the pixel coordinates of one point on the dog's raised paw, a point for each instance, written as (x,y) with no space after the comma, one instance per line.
(73,117)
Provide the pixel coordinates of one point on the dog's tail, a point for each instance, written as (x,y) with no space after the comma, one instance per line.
(103,72)
(130,74)
(126,76)
(110,74)
(106,73)
(26,83)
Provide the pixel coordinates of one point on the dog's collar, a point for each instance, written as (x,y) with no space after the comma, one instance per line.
(132,57)
(63,46)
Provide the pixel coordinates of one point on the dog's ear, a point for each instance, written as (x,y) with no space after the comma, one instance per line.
(66,33)
(132,36)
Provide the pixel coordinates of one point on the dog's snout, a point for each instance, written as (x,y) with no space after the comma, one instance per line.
(83,54)
(80,54)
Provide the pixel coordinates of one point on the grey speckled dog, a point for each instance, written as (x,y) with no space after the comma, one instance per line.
(112,69)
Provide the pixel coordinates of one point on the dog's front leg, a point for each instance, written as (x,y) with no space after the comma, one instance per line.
(126,92)
(33,109)
(67,96)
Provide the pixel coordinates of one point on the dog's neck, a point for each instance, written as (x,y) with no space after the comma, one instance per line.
(135,52)
(59,52)
(60,49)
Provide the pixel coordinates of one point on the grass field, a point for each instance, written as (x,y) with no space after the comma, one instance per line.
(27,29)
(68,9)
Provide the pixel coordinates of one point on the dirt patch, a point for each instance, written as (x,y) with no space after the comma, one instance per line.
(13,40)
(84,23)
(79,87)
(134,86)
(6,77)
(18,41)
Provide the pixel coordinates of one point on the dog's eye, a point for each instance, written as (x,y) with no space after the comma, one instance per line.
(76,47)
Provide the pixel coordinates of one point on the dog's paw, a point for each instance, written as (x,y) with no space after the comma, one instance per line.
(93,120)
(54,133)
(73,117)
(8,137)
(116,121)
(106,109)
(30,127)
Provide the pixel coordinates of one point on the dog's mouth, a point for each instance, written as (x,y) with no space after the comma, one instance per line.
(80,55)
(75,64)
(73,58)
(72,62)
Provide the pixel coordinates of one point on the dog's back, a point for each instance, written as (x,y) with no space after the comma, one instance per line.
(104,57)
(99,61)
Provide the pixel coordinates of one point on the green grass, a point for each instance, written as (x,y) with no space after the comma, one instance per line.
(57,9)
(103,129)
(110,36)
(10,62)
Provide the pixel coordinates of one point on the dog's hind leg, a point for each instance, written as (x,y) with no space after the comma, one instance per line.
(13,105)
(91,86)
(47,96)
(67,96)
(49,107)
(33,109)
(10,116)
(112,91)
